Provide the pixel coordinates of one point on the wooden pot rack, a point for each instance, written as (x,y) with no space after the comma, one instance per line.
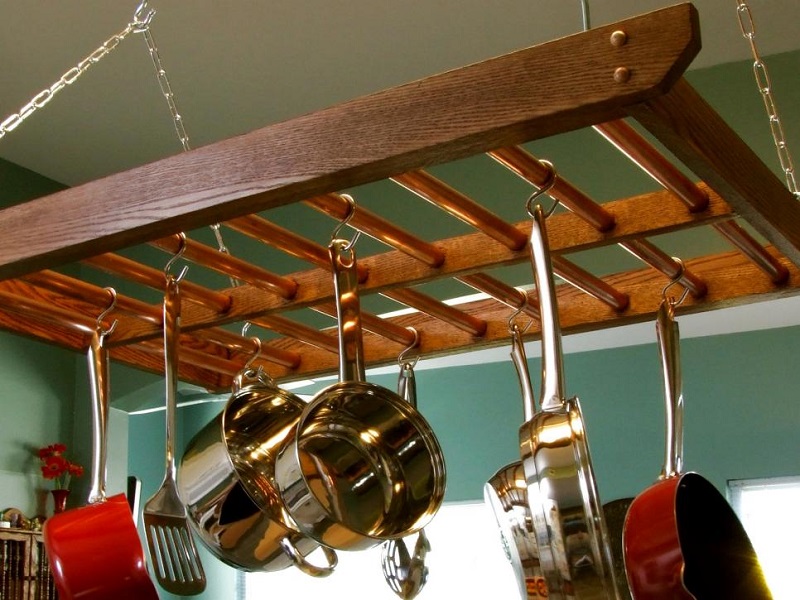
(595,79)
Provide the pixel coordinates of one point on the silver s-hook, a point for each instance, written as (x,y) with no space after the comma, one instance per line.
(544,189)
(174,258)
(112,305)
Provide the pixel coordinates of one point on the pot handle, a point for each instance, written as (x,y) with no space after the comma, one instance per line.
(306,567)
(521,365)
(552,394)
(669,352)
(407,384)
(98,374)
(348,311)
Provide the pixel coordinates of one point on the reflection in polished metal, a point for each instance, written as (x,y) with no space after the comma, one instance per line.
(562,493)
(507,494)
(227,481)
(405,573)
(349,490)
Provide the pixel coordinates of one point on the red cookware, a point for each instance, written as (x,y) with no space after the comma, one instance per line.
(94,551)
(682,540)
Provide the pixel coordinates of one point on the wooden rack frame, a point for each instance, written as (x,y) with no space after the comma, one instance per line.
(596,78)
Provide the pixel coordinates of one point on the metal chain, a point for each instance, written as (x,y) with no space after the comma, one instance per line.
(748,27)
(141,20)
(166,88)
(180,130)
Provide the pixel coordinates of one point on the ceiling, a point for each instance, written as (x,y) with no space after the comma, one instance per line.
(234,67)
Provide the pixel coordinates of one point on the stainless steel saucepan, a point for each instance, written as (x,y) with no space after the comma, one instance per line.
(567,516)
(226,479)
(363,466)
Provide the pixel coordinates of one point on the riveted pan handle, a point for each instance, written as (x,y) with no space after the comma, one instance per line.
(668,335)
(348,311)
(553,393)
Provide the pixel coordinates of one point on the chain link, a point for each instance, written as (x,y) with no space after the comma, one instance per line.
(177,120)
(68,78)
(748,28)
(166,88)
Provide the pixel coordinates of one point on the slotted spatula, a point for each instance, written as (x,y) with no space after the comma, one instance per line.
(173,554)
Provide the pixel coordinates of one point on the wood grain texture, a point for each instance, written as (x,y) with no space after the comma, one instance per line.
(495,103)
(696,134)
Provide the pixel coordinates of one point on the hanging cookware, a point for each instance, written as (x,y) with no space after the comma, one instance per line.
(506,493)
(567,517)
(94,551)
(404,572)
(173,554)
(682,539)
(226,478)
(364,466)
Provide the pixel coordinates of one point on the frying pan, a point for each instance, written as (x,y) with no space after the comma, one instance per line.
(226,478)
(94,551)
(506,493)
(567,517)
(682,540)
(363,466)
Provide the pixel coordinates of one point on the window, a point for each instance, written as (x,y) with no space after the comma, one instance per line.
(768,509)
(466,561)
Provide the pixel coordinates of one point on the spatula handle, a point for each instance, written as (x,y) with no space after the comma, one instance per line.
(172,317)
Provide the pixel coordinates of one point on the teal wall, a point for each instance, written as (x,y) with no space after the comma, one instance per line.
(38,385)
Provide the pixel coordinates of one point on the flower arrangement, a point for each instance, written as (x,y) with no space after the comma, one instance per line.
(56,467)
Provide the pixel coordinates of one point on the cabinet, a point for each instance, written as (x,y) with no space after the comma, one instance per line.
(24,570)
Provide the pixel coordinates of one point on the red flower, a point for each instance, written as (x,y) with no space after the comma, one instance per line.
(56,467)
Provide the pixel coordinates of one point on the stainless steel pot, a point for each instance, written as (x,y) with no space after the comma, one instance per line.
(226,479)
(506,493)
(567,516)
(363,466)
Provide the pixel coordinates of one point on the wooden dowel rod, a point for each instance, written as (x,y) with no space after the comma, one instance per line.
(47,312)
(500,291)
(439,310)
(531,169)
(590,284)
(375,324)
(92,294)
(240,343)
(228,265)
(298,331)
(534,171)
(154,278)
(287,241)
(651,161)
(654,256)
(458,205)
(628,141)
(368,222)
(750,248)
(197,358)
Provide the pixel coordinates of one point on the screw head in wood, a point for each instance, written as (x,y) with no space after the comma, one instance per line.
(619,38)
(622,74)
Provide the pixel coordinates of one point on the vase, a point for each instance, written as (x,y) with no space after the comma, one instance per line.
(59,500)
